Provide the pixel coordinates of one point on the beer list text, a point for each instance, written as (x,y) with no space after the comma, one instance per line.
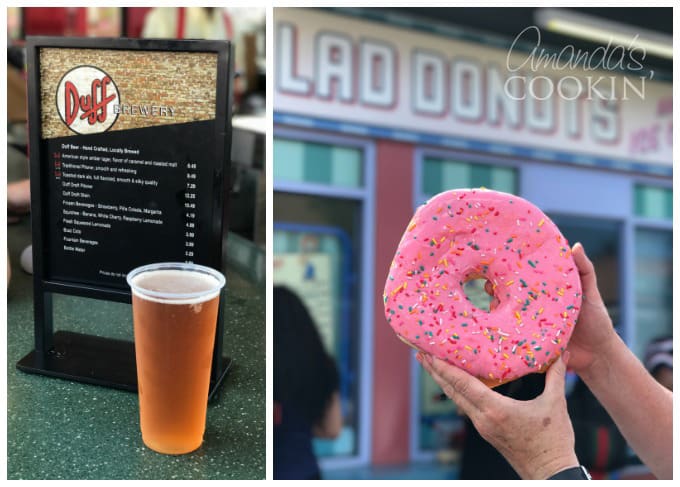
(80,170)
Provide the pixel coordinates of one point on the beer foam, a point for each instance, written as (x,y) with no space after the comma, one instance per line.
(171,286)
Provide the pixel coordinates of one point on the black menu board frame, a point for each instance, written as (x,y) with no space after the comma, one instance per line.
(89,358)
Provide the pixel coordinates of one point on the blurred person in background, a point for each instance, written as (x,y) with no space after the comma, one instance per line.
(18,192)
(306,381)
(659,361)
(600,446)
(18,200)
(187,23)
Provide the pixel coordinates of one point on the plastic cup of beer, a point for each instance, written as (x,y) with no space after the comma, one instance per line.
(174,310)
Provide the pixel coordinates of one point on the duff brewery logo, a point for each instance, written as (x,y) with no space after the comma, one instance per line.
(86,96)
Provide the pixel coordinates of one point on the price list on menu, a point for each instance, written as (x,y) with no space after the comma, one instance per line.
(116,204)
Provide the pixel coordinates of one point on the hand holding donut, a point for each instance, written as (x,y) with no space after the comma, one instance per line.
(524,432)
(611,371)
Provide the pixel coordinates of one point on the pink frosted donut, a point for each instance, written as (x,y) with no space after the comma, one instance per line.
(466,234)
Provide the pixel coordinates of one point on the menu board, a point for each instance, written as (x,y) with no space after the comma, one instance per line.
(132,156)
(129,155)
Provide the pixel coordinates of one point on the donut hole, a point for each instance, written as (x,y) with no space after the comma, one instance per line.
(475,292)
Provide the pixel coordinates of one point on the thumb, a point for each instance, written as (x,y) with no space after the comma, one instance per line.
(555,377)
(586,271)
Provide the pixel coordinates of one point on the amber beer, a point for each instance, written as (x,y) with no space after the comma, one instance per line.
(174,308)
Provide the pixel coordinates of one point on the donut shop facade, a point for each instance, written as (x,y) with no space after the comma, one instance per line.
(372,116)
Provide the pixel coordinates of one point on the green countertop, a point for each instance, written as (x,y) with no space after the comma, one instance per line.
(57,429)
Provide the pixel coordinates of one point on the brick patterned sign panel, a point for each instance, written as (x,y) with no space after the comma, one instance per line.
(87,91)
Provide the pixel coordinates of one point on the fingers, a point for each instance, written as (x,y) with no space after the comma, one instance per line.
(587,272)
(465,406)
(488,287)
(585,266)
(459,385)
(565,357)
(555,376)
(494,303)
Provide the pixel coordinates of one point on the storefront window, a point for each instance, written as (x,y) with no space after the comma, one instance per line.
(653,266)
(316,243)
(653,286)
(308,162)
(438,420)
(443,174)
(653,202)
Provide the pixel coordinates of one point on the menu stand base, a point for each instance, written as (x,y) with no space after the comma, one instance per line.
(97,360)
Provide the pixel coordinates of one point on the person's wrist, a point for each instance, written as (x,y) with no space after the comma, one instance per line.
(547,465)
(557,465)
(606,350)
